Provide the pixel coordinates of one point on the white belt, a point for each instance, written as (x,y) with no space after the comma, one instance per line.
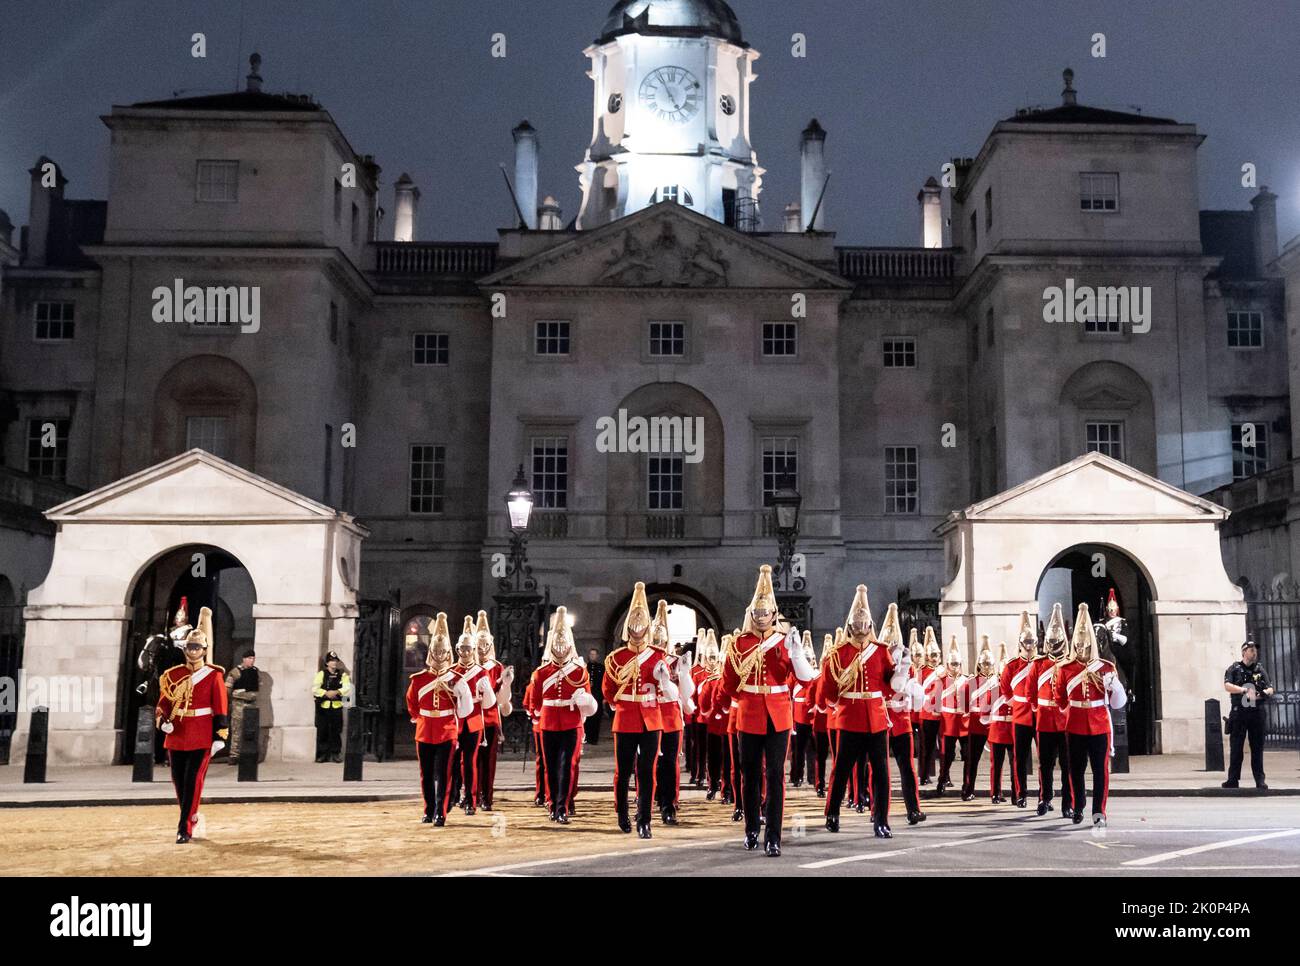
(557,703)
(1000,718)
(800,700)
(855,695)
(196,712)
(1088,704)
(641,698)
(765,688)
(1020,697)
(1044,703)
(948,710)
(447,712)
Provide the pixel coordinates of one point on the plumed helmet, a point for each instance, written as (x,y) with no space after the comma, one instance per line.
(203,633)
(638,612)
(859,611)
(1085,639)
(933,653)
(891,633)
(954,655)
(483,637)
(984,662)
(559,638)
(1055,642)
(1027,639)
(659,627)
(764,598)
(439,657)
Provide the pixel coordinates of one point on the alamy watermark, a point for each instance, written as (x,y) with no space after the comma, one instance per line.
(214,305)
(60,693)
(1126,305)
(654,434)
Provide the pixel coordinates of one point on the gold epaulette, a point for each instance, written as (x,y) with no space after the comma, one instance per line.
(218,668)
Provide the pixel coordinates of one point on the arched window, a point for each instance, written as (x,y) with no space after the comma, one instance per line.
(208,402)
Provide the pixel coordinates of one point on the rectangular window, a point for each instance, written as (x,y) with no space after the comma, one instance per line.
(217,181)
(667,339)
(1106,438)
(1245,330)
(209,433)
(550,472)
(900,352)
(47,448)
(902,485)
(1249,449)
(780,465)
(430,349)
(974,230)
(780,339)
(552,338)
(1103,324)
(327,487)
(1098,191)
(356,223)
(428,478)
(338,201)
(664,479)
(55,321)
(988,209)
(334,323)
(991,331)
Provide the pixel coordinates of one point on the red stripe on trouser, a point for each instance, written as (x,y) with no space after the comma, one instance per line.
(198,791)
(546,772)
(446,785)
(1105,775)
(1016,793)
(573,771)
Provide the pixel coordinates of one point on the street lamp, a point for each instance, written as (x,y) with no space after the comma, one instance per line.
(519,609)
(791,599)
(519,503)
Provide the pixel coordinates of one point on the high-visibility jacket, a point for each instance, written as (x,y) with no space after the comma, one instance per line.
(318,691)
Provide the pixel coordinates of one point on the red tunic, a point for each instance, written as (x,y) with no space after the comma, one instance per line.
(471,676)
(1018,685)
(556,687)
(1000,722)
(765,691)
(1047,716)
(932,680)
(492,716)
(900,710)
(636,703)
(433,707)
(670,712)
(699,675)
(977,696)
(820,718)
(951,708)
(1084,704)
(714,705)
(195,727)
(859,703)
(800,703)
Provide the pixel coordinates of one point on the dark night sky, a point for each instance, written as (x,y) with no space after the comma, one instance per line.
(901,86)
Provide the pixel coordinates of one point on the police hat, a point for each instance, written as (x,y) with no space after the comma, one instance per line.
(1249,644)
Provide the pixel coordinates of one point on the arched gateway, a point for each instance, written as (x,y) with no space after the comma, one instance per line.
(301,561)
(1074,532)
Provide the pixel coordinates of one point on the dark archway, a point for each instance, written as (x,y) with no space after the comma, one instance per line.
(1086,574)
(706,614)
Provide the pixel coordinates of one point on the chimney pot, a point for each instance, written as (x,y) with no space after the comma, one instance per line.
(254,77)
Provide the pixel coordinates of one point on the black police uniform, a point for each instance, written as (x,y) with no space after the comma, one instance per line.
(1244,721)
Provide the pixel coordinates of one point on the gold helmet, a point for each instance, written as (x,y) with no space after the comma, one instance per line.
(984,662)
(202,634)
(707,650)
(439,657)
(180,624)
(1002,656)
(809,653)
(933,653)
(764,599)
(659,627)
(487,650)
(915,649)
(1027,640)
(559,639)
(1055,642)
(638,613)
(954,656)
(1112,605)
(860,614)
(891,633)
(1085,638)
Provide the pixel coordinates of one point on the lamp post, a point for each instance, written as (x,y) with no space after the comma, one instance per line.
(790,584)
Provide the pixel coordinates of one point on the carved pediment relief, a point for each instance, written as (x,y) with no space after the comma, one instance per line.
(664,260)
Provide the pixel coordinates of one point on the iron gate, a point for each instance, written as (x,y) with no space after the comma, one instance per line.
(376,658)
(1273,622)
(11,659)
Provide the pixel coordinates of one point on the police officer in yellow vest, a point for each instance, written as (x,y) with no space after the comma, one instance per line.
(331,686)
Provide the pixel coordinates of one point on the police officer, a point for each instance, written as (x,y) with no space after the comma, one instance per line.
(330,687)
(1249,686)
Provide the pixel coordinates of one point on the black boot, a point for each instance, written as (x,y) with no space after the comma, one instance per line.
(832,823)
(440,821)
(737,815)
(713,793)
(643,830)
(624,824)
(427,819)
(562,817)
(882,830)
(1078,817)
(914,817)
(751,841)
(773,848)
(669,815)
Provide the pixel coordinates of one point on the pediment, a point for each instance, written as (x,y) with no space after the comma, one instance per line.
(1105,397)
(665,246)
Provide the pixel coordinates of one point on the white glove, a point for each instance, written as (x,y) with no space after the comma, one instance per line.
(503,693)
(685,683)
(803,671)
(688,705)
(1118,696)
(167,727)
(217,746)
(793,642)
(487,698)
(585,702)
(917,694)
(665,680)
(902,656)
(464,700)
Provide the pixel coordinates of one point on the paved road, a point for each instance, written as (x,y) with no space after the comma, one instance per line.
(1145,837)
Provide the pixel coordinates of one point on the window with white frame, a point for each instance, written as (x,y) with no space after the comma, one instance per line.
(211,433)
(780,465)
(55,321)
(1249,449)
(780,339)
(1106,438)
(665,482)
(550,481)
(675,193)
(667,339)
(47,448)
(551,338)
(1098,191)
(900,352)
(430,349)
(1245,330)
(902,480)
(428,478)
(1103,323)
(217,181)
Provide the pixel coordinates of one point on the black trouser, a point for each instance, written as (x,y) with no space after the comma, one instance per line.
(188,770)
(634,753)
(464,777)
(1088,750)
(1052,748)
(592,725)
(697,755)
(716,752)
(558,748)
(995,779)
(762,759)
(1022,745)
(435,776)
(487,765)
(901,747)
(949,753)
(802,759)
(861,783)
(733,746)
(329,732)
(539,766)
(930,728)
(857,749)
(667,776)
(822,741)
(1246,723)
(971,763)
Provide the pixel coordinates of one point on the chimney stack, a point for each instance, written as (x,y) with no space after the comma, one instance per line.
(526,171)
(254,78)
(793,221)
(406,201)
(1265,223)
(813,176)
(1068,96)
(43,201)
(548,216)
(931,198)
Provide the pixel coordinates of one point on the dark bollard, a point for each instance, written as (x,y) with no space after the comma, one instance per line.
(38,739)
(1213,735)
(1119,724)
(355,750)
(142,760)
(249,748)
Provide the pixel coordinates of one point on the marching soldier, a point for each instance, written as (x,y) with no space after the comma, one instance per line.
(932,676)
(465,779)
(977,696)
(857,679)
(801,758)
(534,722)
(756,675)
(1049,719)
(437,701)
(951,714)
(562,690)
(1249,686)
(1000,734)
(715,708)
(820,716)
(674,714)
(192,713)
(635,675)
(904,700)
(1018,684)
(1086,687)
(697,727)
(501,679)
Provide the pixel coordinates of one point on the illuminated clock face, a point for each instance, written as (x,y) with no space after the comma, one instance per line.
(671,94)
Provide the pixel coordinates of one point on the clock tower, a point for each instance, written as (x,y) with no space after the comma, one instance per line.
(671,114)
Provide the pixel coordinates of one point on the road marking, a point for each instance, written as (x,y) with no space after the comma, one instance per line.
(868,856)
(1246,840)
